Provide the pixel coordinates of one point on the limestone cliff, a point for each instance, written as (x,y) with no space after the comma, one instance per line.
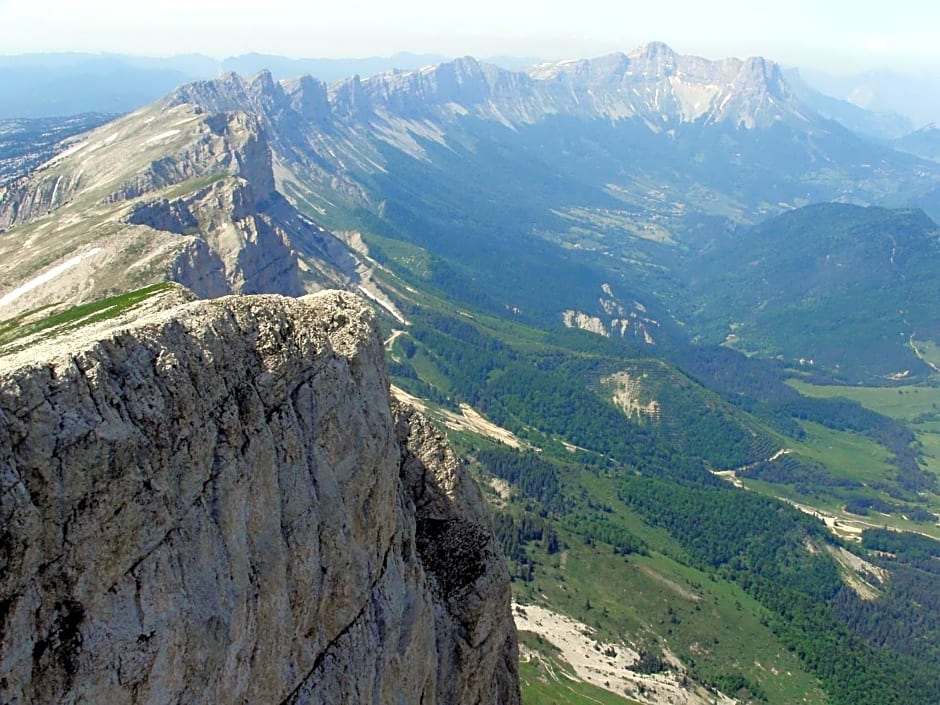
(218,504)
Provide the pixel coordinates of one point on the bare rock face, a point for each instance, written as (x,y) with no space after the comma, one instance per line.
(217,504)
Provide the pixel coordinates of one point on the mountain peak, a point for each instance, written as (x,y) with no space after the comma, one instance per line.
(663,88)
(656,60)
(308,97)
(763,69)
(654,50)
(263,81)
(468,64)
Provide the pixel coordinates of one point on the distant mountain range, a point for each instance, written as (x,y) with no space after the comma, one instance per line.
(57,85)
(924,142)
(883,105)
(873,124)
(914,94)
(25,143)
(708,117)
(529,191)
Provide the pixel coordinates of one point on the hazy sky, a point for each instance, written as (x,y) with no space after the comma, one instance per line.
(837,35)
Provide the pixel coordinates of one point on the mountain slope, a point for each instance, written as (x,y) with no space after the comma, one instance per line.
(924,142)
(831,287)
(616,521)
(910,93)
(165,193)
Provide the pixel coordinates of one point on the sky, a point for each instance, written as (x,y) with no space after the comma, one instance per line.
(834,35)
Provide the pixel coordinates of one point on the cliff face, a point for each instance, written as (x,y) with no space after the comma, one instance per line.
(219,504)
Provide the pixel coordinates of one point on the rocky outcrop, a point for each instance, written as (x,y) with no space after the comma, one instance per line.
(169,216)
(21,200)
(584,321)
(218,504)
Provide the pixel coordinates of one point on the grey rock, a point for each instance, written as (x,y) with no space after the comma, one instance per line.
(218,504)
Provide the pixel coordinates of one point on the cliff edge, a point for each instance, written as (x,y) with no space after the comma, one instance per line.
(219,504)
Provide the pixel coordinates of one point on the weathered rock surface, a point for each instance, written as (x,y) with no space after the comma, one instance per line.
(218,504)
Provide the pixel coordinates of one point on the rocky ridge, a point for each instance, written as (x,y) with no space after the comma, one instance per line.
(653,84)
(162,194)
(665,88)
(219,503)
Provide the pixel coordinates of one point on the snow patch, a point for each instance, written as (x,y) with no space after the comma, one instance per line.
(12,296)
(694,99)
(74,149)
(162,136)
